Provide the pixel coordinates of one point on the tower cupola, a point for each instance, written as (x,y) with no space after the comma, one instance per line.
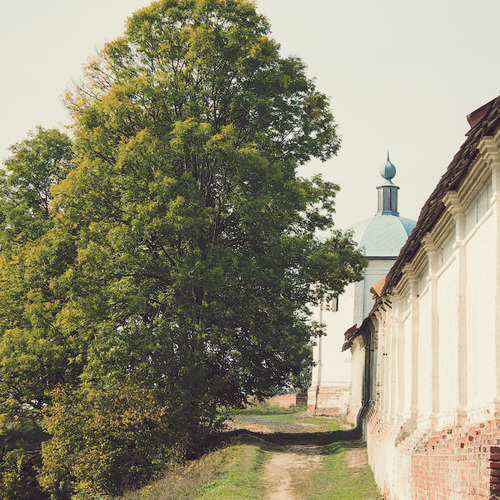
(388,191)
(384,234)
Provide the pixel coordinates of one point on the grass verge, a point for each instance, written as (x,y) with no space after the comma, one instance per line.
(232,472)
(340,479)
(268,410)
(242,472)
(269,415)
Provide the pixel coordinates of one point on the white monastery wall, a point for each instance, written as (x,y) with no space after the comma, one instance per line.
(336,365)
(407,362)
(480,299)
(331,377)
(432,429)
(447,305)
(331,391)
(358,352)
(425,359)
(374,272)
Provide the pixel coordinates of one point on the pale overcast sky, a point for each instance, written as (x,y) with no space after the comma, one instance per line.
(401,75)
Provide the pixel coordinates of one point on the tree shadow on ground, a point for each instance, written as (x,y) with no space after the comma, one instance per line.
(328,442)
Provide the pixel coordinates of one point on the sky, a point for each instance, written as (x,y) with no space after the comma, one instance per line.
(401,75)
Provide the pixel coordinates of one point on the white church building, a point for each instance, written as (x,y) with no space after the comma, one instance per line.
(424,352)
(336,384)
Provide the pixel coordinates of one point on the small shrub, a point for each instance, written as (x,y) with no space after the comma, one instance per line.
(20,453)
(18,471)
(105,441)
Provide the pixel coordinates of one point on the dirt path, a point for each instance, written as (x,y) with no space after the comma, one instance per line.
(288,470)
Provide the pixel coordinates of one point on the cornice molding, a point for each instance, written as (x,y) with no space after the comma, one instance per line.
(453,203)
(490,150)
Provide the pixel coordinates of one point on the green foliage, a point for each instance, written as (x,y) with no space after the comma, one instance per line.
(174,266)
(38,348)
(36,164)
(35,351)
(193,221)
(301,375)
(20,457)
(104,441)
(41,345)
(18,470)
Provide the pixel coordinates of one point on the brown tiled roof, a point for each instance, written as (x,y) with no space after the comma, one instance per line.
(485,121)
(377,288)
(349,336)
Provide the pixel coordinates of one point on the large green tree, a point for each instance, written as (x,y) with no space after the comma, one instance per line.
(182,252)
(190,129)
(37,351)
(36,164)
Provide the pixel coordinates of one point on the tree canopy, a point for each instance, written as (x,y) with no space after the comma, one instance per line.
(182,250)
(190,129)
(36,164)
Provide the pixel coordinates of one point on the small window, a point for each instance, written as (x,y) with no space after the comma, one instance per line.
(335,304)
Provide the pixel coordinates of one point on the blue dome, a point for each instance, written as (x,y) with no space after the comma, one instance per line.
(382,235)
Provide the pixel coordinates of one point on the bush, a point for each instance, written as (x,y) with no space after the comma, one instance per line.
(108,440)
(20,453)
(18,471)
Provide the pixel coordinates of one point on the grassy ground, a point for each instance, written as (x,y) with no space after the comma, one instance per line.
(232,472)
(336,481)
(236,470)
(279,417)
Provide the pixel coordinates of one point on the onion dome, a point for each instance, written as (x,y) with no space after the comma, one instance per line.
(388,170)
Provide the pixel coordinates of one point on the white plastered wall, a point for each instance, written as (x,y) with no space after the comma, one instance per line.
(333,370)
(449,330)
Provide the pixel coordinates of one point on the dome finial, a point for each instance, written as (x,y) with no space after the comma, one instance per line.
(388,170)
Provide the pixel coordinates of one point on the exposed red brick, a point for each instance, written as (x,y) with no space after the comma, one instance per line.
(464,465)
(287,400)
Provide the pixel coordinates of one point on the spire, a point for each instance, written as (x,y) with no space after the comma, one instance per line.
(388,191)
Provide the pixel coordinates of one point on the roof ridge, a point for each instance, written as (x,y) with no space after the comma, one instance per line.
(485,121)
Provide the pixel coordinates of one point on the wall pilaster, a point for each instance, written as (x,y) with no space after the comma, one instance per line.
(432,256)
(411,277)
(455,207)
(490,149)
(400,335)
